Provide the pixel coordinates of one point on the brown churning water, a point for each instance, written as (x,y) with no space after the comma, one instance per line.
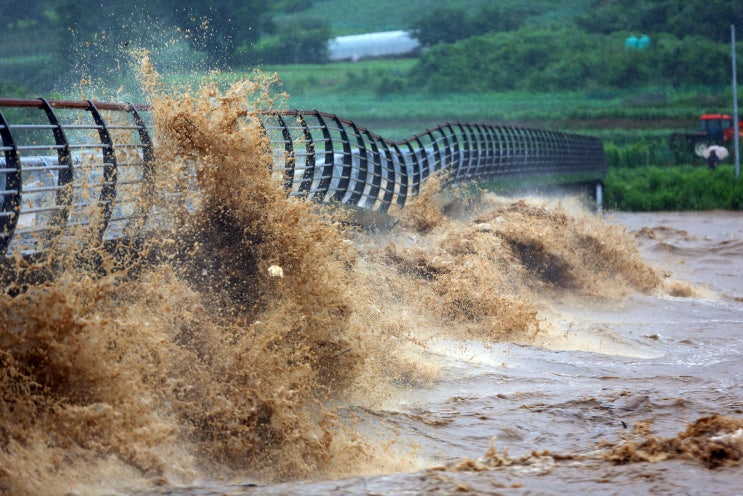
(255,337)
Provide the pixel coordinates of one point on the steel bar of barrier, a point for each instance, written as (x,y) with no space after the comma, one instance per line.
(71,164)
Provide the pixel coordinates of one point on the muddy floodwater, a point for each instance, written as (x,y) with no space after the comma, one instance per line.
(252,344)
(548,418)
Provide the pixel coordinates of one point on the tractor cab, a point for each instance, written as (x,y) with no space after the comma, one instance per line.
(719,127)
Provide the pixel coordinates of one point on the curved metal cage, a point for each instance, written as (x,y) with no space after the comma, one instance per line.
(328,158)
(68,164)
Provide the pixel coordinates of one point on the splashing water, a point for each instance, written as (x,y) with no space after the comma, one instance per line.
(190,357)
(236,341)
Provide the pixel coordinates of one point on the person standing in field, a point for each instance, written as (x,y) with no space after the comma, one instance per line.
(713,160)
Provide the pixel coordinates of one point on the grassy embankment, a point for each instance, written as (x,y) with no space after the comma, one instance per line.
(653,188)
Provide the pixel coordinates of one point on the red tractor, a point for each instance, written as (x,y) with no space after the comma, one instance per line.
(714,129)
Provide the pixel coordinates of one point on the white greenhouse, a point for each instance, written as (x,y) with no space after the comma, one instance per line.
(383,44)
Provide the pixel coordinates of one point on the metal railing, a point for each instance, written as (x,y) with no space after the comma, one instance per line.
(328,158)
(82,163)
(67,164)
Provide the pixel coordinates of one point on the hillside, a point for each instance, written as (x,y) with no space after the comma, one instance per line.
(360,16)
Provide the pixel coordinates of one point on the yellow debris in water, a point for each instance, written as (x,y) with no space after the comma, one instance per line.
(276,271)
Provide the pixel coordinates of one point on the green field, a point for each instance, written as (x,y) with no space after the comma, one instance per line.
(350,89)
(647,189)
(634,124)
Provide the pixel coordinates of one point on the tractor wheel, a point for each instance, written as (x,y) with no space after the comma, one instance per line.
(699,148)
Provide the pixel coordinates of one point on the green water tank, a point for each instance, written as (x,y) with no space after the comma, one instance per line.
(637,43)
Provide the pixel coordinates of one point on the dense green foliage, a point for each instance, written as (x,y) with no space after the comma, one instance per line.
(347,17)
(449,24)
(516,48)
(643,153)
(561,58)
(710,19)
(645,189)
(475,46)
(293,42)
(57,37)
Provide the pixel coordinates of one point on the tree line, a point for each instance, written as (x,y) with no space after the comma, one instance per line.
(224,31)
(497,47)
(689,45)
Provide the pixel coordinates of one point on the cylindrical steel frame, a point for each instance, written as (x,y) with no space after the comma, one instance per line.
(61,168)
(10,185)
(322,157)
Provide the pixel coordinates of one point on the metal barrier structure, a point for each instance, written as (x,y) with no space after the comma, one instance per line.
(67,164)
(84,163)
(328,158)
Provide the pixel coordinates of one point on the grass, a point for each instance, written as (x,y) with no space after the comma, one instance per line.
(335,80)
(688,187)
(351,89)
(634,125)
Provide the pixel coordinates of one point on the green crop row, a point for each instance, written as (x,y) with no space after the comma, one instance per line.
(645,189)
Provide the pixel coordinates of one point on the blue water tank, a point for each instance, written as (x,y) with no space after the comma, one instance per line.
(643,42)
(631,42)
